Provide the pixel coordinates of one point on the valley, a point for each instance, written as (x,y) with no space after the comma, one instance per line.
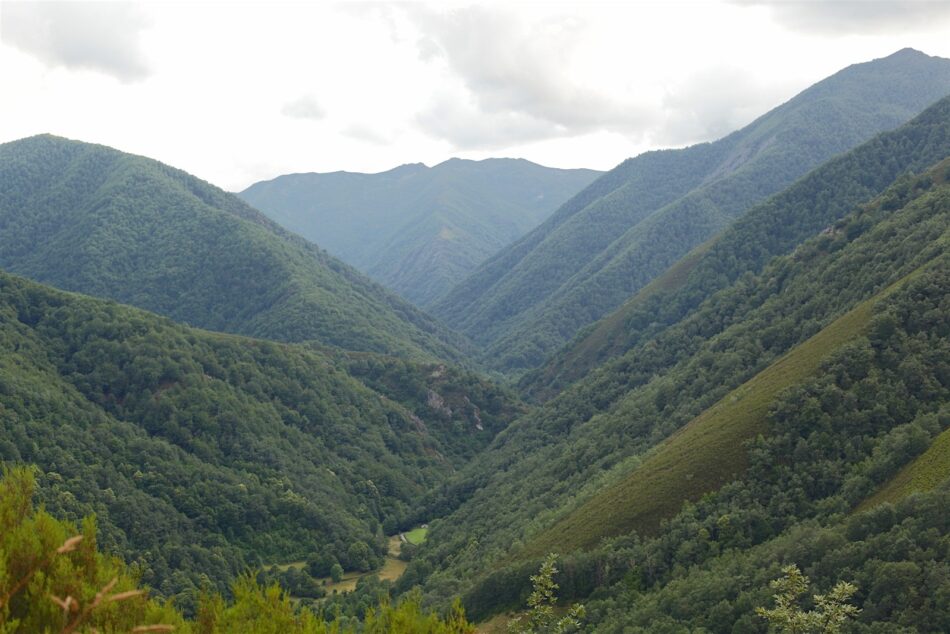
(486,395)
(391,570)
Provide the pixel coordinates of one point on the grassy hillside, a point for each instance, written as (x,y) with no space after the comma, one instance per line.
(203,453)
(875,405)
(415,229)
(552,461)
(628,228)
(705,454)
(775,227)
(925,473)
(88,218)
(875,402)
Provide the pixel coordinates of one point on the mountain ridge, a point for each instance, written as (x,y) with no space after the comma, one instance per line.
(750,242)
(418,229)
(548,462)
(89,218)
(640,218)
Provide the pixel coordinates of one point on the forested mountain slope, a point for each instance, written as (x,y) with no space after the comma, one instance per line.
(549,464)
(204,453)
(637,220)
(773,228)
(91,219)
(879,402)
(419,230)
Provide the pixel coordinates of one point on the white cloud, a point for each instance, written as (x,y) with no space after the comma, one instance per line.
(710,104)
(561,84)
(857,16)
(366,134)
(514,79)
(100,36)
(305,107)
(467,127)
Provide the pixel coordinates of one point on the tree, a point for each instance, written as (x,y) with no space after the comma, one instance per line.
(336,573)
(360,556)
(52,579)
(830,613)
(541,618)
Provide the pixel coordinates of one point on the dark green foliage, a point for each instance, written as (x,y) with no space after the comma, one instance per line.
(548,463)
(832,439)
(770,401)
(53,579)
(88,218)
(836,438)
(895,555)
(418,230)
(775,227)
(298,582)
(336,572)
(463,410)
(639,219)
(203,453)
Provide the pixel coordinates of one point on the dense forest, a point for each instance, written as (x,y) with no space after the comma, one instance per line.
(632,224)
(599,459)
(773,228)
(710,393)
(415,229)
(204,453)
(54,579)
(91,219)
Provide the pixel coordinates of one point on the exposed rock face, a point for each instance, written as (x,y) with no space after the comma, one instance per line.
(435,401)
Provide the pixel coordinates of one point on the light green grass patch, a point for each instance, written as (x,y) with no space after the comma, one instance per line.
(923,474)
(417,535)
(703,455)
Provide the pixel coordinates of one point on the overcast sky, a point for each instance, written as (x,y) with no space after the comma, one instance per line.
(241,92)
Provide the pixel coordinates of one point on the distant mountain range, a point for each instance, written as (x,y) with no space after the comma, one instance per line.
(415,229)
(637,220)
(88,218)
(734,357)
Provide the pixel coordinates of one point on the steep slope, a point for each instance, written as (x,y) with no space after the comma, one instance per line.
(880,402)
(639,219)
(894,555)
(548,464)
(707,452)
(773,228)
(870,406)
(925,473)
(88,218)
(415,229)
(203,453)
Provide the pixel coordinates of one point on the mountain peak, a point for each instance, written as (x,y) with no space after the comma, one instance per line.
(908,52)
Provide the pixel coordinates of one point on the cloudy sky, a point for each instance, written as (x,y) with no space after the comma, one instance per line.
(240,92)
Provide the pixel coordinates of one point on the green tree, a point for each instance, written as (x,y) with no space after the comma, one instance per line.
(831,611)
(52,579)
(336,573)
(541,618)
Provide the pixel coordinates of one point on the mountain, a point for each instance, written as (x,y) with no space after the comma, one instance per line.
(636,221)
(202,453)
(415,229)
(91,219)
(780,402)
(772,228)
